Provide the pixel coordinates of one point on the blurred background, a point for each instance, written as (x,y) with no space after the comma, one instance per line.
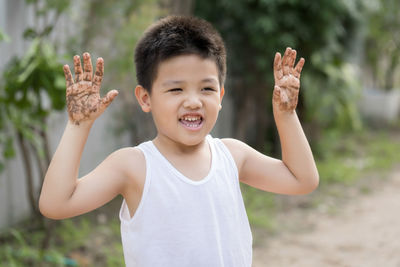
(349,108)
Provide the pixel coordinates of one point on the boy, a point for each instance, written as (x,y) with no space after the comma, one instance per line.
(182,202)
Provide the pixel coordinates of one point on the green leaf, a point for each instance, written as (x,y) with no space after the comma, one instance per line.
(18,236)
(59,5)
(4,37)
(28,70)
(9,151)
(30,33)
(1,166)
(47,30)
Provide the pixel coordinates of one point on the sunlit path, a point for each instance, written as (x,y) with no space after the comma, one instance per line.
(364,233)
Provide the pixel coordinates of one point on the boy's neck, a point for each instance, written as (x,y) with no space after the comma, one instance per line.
(169,146)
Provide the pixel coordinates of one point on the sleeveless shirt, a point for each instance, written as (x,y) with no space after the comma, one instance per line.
(181,222)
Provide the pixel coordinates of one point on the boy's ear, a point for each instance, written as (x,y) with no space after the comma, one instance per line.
(221,95)
(143,97)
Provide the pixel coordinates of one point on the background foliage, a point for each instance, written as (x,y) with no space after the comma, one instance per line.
(383,42)
(320,31)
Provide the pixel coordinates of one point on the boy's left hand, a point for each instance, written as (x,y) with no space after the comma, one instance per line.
(287,80)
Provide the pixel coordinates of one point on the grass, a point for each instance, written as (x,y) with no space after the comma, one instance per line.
(260,207)
(94,239)
(347,158)
(89,240)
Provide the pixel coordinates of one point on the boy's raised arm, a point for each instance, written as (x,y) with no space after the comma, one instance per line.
(296,173)
(63,195)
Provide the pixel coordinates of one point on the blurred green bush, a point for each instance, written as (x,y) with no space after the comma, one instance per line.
(321,31)
(382,19)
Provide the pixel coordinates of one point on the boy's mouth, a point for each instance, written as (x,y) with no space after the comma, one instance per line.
(192,122)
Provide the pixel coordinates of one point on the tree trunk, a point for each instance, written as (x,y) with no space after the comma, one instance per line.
(28,173)
(48,226)
(263,121)
(389,75)
(40,164)
(46,148)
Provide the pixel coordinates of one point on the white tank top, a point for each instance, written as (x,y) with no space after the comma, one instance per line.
(181,222)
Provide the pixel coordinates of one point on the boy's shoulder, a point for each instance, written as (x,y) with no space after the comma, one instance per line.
(233,144)
(237,148)
(130,161)
(127,154)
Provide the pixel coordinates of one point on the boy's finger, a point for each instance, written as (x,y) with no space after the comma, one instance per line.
(68,77)
(77,68)
(292,58)
(98,76)
(285,61)
(106,101)
(299,67)
(87,67)
(278,67)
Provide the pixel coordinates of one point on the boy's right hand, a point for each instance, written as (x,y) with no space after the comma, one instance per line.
(83,96)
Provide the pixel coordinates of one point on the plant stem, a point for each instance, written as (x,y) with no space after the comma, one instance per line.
(28,173)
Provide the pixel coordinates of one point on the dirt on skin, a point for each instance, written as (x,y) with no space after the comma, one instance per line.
(363,231)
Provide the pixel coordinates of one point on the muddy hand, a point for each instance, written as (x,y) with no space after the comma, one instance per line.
(287,80)
(83,95)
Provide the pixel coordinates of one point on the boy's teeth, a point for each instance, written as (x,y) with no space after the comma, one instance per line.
(191,118)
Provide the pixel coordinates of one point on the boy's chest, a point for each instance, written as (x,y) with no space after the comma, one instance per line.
(197,202)
(194,168)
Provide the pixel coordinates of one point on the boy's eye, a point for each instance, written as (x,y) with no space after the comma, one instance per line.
(175,90)
(208,89)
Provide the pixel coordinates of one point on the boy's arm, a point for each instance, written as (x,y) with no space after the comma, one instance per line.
(296,173)
(63,195)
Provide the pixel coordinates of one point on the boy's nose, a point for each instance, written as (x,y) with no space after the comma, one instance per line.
(192,102)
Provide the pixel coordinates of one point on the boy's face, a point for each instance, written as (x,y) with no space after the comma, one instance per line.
(185,99)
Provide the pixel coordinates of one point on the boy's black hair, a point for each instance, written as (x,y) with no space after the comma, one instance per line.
(174,36)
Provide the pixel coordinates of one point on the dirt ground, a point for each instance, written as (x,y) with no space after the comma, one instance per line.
(363,230)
